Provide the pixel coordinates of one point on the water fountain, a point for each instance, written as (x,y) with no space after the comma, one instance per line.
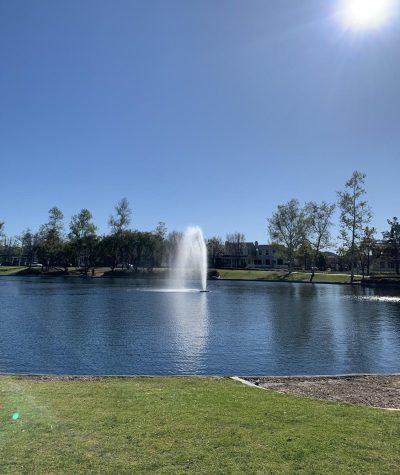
(191,260)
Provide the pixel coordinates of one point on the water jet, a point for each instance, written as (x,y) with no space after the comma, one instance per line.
(191,260)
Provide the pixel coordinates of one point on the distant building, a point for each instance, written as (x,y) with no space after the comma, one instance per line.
(382,261)
(253,255)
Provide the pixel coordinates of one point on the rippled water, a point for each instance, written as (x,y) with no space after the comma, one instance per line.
(105,326)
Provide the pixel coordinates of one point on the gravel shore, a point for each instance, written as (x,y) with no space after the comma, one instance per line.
(371,390)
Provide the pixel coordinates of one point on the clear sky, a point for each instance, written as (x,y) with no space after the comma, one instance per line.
(208,112)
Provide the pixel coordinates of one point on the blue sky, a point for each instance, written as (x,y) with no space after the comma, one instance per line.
(199,112)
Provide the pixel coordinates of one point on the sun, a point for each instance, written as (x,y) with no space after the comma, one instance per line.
(365,14)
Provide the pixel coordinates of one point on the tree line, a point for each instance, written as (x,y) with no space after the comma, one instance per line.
(306,230)
(300,233)
(82,247)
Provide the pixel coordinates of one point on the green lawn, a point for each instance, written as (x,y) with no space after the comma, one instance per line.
(12,270)
(186,425)
(247,274)
(252,274)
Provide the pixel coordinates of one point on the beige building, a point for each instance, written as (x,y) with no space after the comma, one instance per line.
(252,255)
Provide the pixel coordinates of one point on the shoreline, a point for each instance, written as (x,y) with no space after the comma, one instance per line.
(376,390)
(380,282)
(188,375)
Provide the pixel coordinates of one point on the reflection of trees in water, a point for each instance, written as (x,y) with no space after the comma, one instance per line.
(373,329)
(302,338)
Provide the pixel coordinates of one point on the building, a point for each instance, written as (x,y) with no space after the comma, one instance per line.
(253,255)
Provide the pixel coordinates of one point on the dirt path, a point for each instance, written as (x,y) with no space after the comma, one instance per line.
(372,390)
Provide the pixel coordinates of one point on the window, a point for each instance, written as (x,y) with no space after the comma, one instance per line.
(280,262)
(267,262)
(257,262)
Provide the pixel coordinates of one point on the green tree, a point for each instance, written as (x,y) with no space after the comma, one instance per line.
(355,214)
(171,246)
(109,250)
(83,237)
(288,226)
(122,218)
(50,238)
(160,234)
(305,255)
(319,217)
(392,242)
(28,246)
(366,249)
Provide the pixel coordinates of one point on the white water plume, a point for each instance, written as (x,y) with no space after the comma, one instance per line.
(191,261)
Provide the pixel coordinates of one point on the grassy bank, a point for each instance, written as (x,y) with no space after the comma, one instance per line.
(252,274)
(246,274)
(74,271)
(12,270)
(186,425)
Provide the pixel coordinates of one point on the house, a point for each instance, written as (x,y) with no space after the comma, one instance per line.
(253,255)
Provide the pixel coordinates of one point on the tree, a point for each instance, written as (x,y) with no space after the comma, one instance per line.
(50,238)
(28,246)
(81,225)
(392,242)
(160,244)
(288,226)
(305,255)
(161,230)
(83,237)
(109,250)
(172,245)
(2,235)
(215,250)
(366,248)
(319,220)
(55,224)
(235,246)
(122,218)
(354,216)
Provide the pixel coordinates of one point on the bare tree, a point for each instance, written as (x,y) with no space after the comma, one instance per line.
(215,250)
(354,216)
(288,226)
(235,246)
(319,221)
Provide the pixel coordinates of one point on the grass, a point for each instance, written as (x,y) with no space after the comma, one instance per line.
(186,426)
(252,274)
(11,270)
(246,274)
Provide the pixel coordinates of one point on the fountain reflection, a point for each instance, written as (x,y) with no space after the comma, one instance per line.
(188,320)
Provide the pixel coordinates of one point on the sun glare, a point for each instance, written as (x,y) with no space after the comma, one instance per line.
(366,14)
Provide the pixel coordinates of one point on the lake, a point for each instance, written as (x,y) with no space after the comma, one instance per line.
(124,326)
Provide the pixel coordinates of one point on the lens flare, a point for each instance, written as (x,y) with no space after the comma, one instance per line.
(365,14)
